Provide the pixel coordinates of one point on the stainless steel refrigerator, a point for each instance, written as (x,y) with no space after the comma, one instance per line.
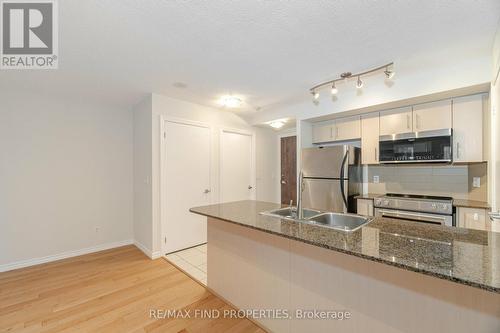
(332,177)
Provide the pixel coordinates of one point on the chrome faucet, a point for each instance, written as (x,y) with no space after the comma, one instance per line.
(300,211)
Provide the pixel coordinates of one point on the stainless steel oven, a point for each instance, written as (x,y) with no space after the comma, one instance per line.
(427,209)
(416,147)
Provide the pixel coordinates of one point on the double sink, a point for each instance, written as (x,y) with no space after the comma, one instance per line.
(337,221)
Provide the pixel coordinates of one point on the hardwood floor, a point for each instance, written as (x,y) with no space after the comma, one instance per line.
(108,291)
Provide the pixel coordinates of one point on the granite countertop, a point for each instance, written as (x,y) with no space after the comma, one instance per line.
(470,203)
(368,196)
(465,256)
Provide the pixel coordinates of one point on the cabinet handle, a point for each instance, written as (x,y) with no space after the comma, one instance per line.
(458,149)
(376,159)
(494,216)
(408,121)
(417,120)
(331,132)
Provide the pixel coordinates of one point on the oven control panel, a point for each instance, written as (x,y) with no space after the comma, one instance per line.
(422,205)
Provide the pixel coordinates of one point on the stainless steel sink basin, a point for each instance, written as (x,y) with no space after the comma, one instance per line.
(291,213)
(344,222)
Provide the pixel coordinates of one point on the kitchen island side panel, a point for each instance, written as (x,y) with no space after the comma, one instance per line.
(256,270)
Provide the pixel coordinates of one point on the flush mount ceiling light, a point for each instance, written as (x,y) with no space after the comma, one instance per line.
(387,68)
(230,101)
(277,124)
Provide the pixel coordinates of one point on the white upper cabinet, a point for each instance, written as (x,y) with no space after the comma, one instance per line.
(341,129)
(464,115)
(432,116)
(396,121)
(369,138)
(348,128)
(322,132)
(468,129)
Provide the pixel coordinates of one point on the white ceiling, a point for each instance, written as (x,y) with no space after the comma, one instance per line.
(266,51)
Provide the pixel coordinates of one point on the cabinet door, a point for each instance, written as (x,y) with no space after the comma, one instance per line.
(370,138)
(432,116)
(348,128)
(322,132)
(365,207)
(468,129)
(473,218)
(396,121)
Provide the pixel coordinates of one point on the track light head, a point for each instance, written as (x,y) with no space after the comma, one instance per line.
(389,74)
(315,95)
(334,89)
(359,83)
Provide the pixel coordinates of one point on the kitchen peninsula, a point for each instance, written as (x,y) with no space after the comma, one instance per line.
(391,275)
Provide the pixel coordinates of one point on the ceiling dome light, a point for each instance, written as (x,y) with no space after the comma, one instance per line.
(389,73)
(277,124)
(334,89)
(359,83)
(230,102)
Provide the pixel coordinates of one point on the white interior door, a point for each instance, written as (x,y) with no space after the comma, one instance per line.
(236,166)
(187,184)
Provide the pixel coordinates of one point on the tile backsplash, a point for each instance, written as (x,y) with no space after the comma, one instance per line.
(442,180)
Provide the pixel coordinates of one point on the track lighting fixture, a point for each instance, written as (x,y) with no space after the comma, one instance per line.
(388,71)
(359,83)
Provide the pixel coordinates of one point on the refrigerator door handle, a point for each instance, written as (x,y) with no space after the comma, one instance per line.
(342,173)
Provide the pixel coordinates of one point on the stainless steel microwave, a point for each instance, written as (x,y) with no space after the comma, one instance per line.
(417,147)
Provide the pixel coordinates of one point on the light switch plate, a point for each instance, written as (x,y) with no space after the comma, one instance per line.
(376,179)
(476,182)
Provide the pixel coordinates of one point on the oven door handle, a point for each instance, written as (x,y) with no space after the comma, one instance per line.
(413,216)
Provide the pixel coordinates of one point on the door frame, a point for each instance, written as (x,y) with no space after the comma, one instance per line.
(163,176)
(251,134)
(284,134)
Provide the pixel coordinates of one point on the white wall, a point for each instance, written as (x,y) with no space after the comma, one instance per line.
(65,170)
(143,204)
(218,119)
(268,162)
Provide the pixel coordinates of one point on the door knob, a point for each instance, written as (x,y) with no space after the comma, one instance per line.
(283,182)
(250,187)
(206,191)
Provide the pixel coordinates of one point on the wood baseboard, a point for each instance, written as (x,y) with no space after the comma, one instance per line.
(63,255)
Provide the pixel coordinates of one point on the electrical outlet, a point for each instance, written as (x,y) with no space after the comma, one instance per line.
(376,179)
(476,182)
(96,229)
